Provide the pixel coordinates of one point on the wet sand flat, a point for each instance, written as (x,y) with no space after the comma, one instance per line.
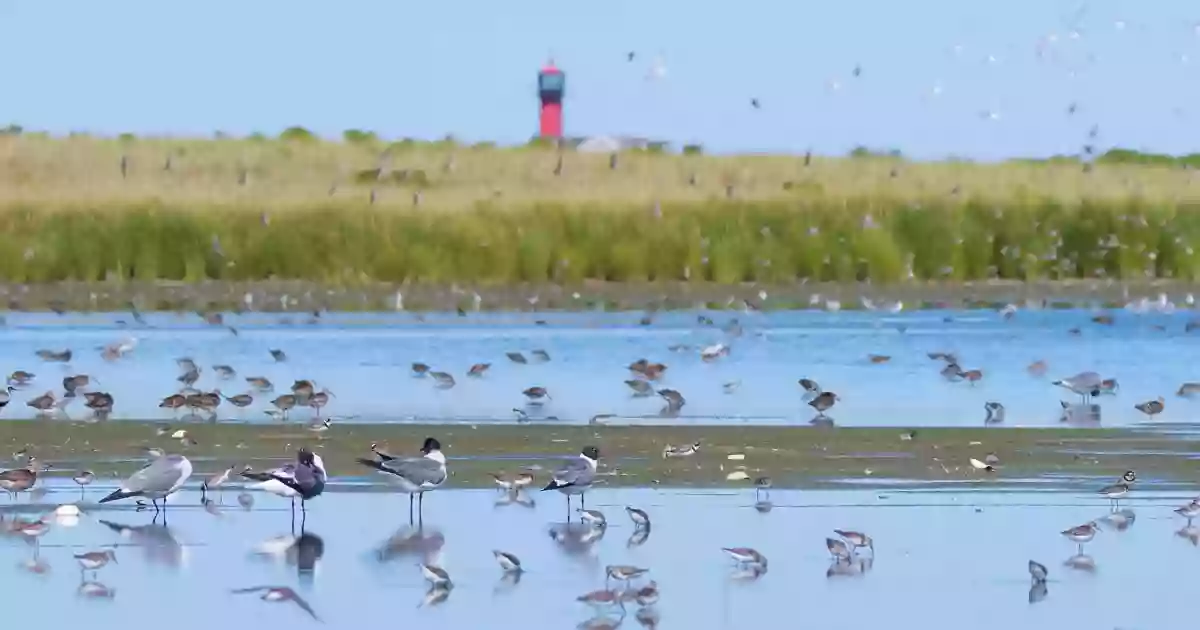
(632,455)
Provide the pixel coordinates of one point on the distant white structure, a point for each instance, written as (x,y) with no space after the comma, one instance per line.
(612,144)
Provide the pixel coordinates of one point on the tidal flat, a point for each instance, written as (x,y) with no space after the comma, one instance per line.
(632,456)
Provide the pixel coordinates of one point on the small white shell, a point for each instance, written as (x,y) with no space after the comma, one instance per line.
(67,509)
(737,457)
(737,475)
(975,463)
(179,435)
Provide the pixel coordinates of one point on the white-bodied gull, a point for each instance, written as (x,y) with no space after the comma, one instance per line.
(1085,384)
(157,480)
(576,476)
(415,475)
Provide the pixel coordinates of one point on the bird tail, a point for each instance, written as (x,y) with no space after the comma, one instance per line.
(371,463)
(555,485)
(119,494)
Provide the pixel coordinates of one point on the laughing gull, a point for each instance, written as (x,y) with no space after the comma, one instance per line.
(576,476)
(1086,384)
(415,475)
(157,480)
(305,479)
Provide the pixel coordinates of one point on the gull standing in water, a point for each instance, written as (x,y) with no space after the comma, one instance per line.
(416,475)
(157,480)
(305,479)
(576,476)
(1086,384)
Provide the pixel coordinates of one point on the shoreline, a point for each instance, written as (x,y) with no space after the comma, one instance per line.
(632,456)
(305,297)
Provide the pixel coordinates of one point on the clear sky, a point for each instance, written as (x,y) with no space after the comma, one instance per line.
(939,77)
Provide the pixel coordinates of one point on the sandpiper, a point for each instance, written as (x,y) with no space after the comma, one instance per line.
(516,357)
(675,400)
(623,572)
(1187,390)
(645,596)
(639,517)
(685,450)
(995,413)
(641,389)
(1151,407)
(95,560)
(442,380)
(1037,572)
(839,549)
(83,478)
(601,600)
(437,576)
(478,369)
(536,394)
(811,388)
(857,540)
(19,480)
(1189,511)
(419,369)
(1081,534)
(745,556)
(823,402)
(593,518)
(278,355)
(508,562)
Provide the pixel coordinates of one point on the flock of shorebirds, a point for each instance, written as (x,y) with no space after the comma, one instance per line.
(851,552)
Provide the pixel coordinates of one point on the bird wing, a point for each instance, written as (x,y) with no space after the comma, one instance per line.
(287,471)
(159,475)
(416,470)
(575,471)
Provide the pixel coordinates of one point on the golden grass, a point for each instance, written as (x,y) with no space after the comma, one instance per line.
(37,171)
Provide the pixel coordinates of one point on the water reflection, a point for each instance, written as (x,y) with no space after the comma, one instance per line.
(95,590)
(576,538)
(1081,562)
(158,543)
(603,622)
(850,567)
(1119,520)
(516,496)
(763,506)
(408,542)
(638,537)
(1037,592)
(436,594)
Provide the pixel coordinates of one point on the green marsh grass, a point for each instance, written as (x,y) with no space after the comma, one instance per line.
(348,212)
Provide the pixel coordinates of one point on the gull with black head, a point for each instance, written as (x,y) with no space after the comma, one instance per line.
(305,479)
(415,475)
(575,476)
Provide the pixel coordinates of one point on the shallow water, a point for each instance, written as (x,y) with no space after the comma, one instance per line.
(364,359)
(944,559)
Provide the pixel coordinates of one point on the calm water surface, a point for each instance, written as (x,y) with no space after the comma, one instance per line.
(364,359)
(944,559)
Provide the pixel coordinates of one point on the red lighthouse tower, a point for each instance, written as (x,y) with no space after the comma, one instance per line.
(552,85)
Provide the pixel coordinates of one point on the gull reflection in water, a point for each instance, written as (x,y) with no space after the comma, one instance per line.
(422,543)
(158,543)
(303,552)
(576,538)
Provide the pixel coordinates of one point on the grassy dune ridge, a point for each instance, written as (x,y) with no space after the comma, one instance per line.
(88,209)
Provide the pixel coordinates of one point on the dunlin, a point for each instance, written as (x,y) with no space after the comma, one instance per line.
(639,517)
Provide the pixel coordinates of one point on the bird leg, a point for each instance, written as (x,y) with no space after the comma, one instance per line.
(410,509)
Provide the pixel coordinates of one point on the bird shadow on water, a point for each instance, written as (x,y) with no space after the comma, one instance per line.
(424,543)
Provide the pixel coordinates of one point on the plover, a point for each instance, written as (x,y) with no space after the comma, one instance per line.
(1117,490)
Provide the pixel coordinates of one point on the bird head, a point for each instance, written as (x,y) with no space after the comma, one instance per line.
(430,445)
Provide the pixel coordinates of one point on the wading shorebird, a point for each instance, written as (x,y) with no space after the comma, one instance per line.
(241,401)
(260,383)
(174,402)
(284,404)
(1189,389)
(442,380)
(823,402)
(54,356)
(83,478)
(414,475)
(675,400)
(478,369)
(641,389)
(995,413)
(44,404)
(1151,407)
(1037,572)
(641,520)
(20,378)
(686,450)
(6,396)
(576,476)
(839,549)
(1189,511)
(1082,534)
(224,372)
(1119,489)
(278,355)
(19,480)
(623,573)
(856,540)
(745,556)
(762,488)
(536,394)
(516,357)
(508,562)
(95,560)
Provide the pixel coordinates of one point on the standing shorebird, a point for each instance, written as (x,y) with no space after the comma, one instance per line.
(95,560)
(284,404)
(216,481)
(685,450)
(158,480)
(319,400)
(6,396)
(1082,534)
(83,478)
(415,475)
(536,394)
(641,520)
(19,480)
(478,369)
(995,413)
(823,402)
(1119,489)
(278,355)
(576,476)
(44,404)
(508,562)
(1151,407)
(856,540)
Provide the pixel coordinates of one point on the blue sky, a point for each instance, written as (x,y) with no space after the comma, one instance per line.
(425,69)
